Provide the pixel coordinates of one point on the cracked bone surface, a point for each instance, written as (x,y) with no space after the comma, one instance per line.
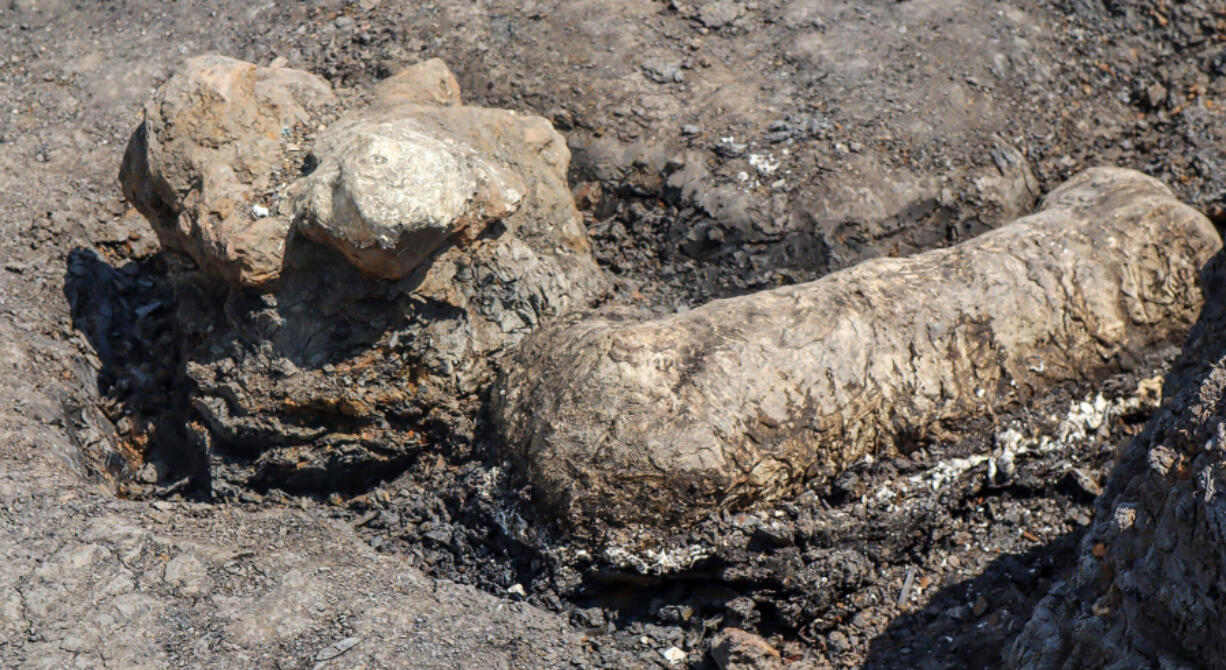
(746,399)
(429,236)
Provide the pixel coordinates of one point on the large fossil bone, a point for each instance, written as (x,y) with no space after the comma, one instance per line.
(746,399)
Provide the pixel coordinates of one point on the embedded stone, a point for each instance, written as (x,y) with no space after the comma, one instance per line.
(200,166)
(388,193)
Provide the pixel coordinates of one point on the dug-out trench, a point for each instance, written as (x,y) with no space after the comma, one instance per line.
(837,572)
(933,553)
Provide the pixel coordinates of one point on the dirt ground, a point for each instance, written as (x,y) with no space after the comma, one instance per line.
(717,148)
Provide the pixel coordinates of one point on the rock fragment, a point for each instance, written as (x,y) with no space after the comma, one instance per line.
(735,649)
(336,649)
(397,180)
(673,655)
(387,193)
(426,83)
(719,13)
(741,400)
(187,574)
(204,156)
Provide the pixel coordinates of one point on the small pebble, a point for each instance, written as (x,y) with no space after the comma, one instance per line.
(673,655)
(980,606)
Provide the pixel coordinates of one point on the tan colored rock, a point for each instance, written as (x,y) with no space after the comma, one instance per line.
(747,399)
(201,163)
(388,192)
(415,172)
(426,83)
(395,182)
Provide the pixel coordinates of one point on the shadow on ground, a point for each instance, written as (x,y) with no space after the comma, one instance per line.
(126,312)
(972,623)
